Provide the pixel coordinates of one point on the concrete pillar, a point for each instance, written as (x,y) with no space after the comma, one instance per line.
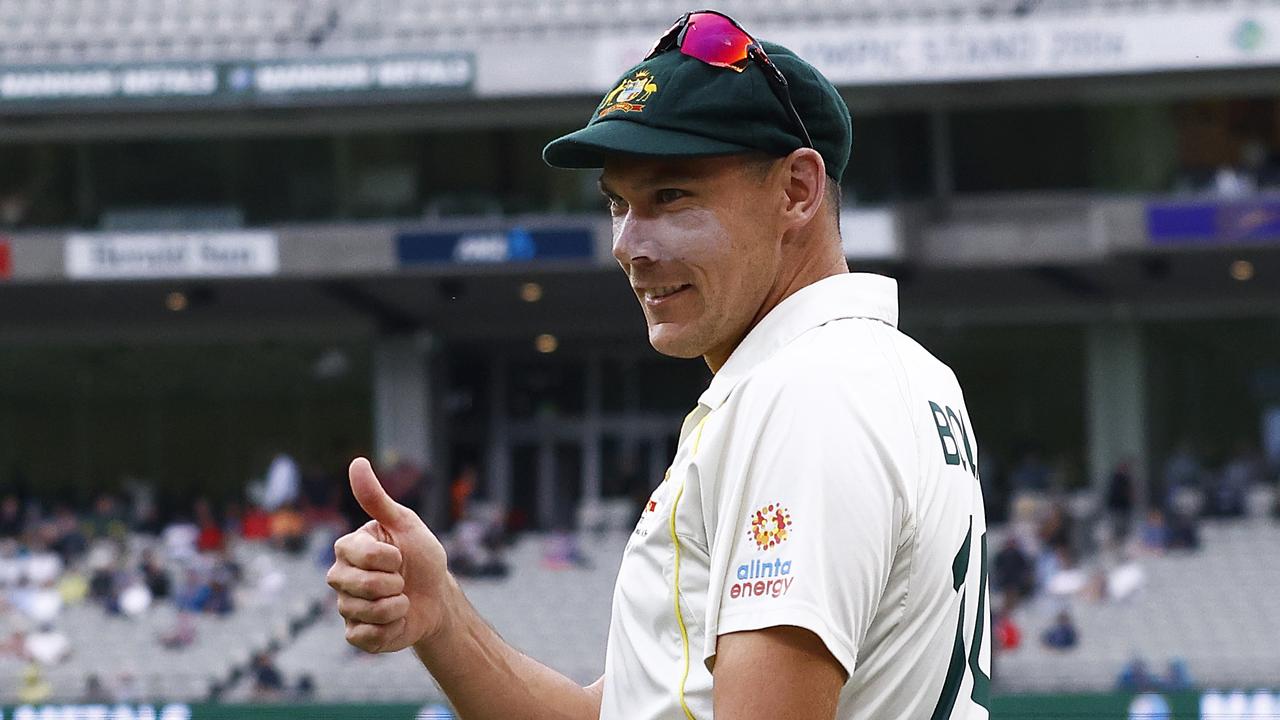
(548,482)
(402,402)
(591,433)
(498,466)
(1116,389)
(942,166)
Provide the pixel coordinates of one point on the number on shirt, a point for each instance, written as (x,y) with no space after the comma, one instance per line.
(962,657)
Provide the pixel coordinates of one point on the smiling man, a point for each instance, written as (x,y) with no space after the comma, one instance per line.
(817,549)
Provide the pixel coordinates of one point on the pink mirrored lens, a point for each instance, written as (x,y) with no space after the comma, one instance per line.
(716,40)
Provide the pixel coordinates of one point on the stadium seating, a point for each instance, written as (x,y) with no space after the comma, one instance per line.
(560,617)
(111,645)
(34,32)
(1208,608)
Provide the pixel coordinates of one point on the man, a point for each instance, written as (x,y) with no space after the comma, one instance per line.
(817,549)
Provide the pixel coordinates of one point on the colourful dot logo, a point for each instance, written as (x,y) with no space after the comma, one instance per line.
(770,526)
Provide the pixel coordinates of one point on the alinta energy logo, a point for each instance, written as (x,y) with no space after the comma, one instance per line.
(770,526)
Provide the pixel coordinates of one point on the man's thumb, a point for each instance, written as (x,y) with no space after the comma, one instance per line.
(371,496)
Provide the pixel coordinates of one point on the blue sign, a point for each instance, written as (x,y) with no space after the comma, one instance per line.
(1221,223)
(495,246)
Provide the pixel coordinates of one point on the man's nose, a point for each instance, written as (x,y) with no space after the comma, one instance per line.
(632,243)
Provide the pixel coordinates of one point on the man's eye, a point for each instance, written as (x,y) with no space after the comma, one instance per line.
(616,204)
(667,195)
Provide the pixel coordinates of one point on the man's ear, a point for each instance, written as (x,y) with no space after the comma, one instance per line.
(805,185)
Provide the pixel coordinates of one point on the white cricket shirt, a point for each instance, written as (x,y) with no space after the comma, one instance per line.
(826,480)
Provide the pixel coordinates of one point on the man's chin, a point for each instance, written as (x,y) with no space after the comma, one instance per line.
(670,342)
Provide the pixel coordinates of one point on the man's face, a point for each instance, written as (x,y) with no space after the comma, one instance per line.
(699,239)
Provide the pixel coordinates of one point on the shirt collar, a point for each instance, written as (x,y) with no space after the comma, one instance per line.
(848,295)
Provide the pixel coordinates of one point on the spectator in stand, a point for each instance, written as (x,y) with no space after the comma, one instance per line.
(305,690)
(34,689)
(14,646)
(268,681)
(289,529)
(220,600)
(1062,634)
(562,552)
(12,517)
(106,521)
(144,516)
(1182,471)
(48,646)
(155,575)
(232,520)
(1031,474)
(94,691)
(1120,499)
(135,598)
(1007,633)
(104,584)
(1135,677)
(181,635)
(256,523)
(1184,533)
(63,534)
(1154,537)
(192,592)
(476,546)
(1012,572)
(282,483)
(127,687)
(460,492)
(1241,473)
(209,537)
(180,539)
(1178,678)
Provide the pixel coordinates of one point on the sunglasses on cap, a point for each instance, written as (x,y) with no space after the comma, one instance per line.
(718,40)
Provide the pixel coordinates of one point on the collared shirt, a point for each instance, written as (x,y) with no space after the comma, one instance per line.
(827,480)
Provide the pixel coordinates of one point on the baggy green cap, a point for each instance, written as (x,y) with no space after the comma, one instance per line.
(678,106)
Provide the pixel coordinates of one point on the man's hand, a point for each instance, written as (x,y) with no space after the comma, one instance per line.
(391,574)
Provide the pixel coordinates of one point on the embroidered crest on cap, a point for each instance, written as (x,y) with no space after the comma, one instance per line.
(630,95)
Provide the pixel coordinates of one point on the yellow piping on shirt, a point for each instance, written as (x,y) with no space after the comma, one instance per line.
(675,542)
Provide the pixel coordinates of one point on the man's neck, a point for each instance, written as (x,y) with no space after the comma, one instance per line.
(812,268)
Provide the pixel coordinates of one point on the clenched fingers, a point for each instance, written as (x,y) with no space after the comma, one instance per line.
(364,584)
(366,552)
(375,612)
(373,638)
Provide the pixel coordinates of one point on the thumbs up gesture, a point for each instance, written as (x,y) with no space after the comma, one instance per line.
(391,574)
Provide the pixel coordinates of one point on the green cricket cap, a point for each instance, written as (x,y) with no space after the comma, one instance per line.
(674,105)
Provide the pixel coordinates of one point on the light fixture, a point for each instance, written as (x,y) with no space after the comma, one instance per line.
(1242,270)
(546,343)
(176,301)
(531,292)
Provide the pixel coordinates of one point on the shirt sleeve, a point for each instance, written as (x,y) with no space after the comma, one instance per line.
(808,508)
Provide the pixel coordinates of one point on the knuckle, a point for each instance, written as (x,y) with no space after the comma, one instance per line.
(388,610)
(341,545)
(368,586)
(368,557)
(344,606)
